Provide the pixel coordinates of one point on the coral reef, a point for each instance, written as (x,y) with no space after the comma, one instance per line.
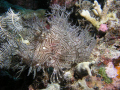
(102,14)
(61,48)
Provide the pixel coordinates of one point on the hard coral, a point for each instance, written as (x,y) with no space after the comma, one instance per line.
(102,14)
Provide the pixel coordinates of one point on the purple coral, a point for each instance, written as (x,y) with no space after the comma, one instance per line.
(103,27)
(111,71)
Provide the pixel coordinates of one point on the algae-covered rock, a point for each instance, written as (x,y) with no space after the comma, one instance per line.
(104,75)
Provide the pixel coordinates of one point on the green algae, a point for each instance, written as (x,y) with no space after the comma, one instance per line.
(104,75)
